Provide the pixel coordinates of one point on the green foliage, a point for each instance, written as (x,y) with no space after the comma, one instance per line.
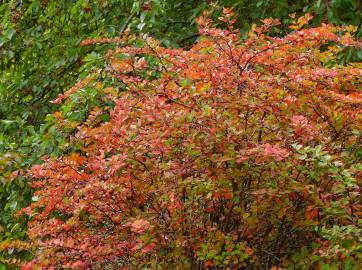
(40,51)
(39,39)
(40,58)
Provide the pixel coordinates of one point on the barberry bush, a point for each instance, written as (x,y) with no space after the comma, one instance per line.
(240,153)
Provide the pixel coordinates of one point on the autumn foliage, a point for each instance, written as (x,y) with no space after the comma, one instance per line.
(240,153)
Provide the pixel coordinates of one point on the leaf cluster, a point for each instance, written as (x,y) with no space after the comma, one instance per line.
(237,153)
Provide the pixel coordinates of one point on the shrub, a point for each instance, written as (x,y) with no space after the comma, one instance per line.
(235,154)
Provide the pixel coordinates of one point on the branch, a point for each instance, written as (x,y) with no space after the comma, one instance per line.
(129,20)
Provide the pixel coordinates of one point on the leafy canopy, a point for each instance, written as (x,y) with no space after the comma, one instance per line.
(235,153)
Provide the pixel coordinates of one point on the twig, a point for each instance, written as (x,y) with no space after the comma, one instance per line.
(129,20)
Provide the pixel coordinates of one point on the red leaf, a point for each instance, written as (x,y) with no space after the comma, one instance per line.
(148,248)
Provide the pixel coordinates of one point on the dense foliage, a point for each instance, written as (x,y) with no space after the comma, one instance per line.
(233,154)
(40,57)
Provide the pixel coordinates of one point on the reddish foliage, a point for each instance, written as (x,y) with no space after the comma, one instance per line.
(204,161)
